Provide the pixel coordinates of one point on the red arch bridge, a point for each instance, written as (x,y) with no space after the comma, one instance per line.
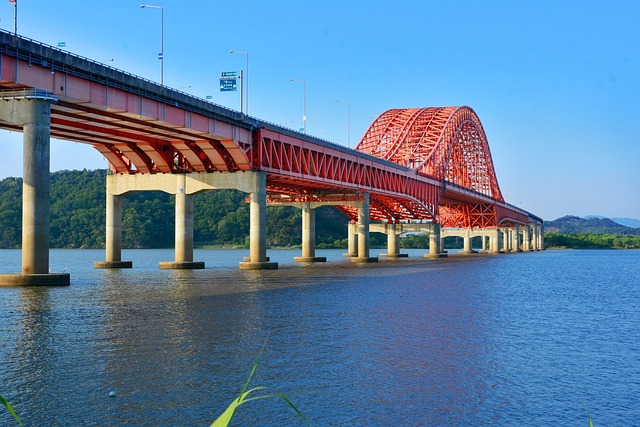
(417,169)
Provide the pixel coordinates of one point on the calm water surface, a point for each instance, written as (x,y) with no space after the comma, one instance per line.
(505,340)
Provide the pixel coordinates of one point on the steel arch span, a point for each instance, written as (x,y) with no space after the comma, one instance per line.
(444,143)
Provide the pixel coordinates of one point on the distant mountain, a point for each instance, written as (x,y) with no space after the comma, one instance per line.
(627,222)
(592,225)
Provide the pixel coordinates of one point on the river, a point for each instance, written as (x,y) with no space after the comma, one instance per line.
(510,339)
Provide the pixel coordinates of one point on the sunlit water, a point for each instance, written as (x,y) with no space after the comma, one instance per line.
(506,340)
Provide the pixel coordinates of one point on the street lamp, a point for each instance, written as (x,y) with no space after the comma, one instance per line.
(246,77)
(348,121)
(161,56)
(304,100)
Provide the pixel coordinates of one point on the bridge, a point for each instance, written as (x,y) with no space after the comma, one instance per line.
(416,169)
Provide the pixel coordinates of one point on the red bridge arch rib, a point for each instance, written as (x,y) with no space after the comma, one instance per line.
(447,144)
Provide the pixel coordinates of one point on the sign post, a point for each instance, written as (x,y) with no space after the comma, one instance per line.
(228,83)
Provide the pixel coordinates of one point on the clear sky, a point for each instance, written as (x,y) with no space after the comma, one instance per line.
(556,84)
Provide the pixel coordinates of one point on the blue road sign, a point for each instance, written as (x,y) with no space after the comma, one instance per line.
(228,85)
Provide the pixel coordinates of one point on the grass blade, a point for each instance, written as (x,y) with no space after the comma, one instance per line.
(10,409)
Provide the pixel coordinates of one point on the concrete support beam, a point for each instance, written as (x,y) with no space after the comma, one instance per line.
(113,244)
(309,236)
(363,233)
(258,227)
(32,111)
(494,241)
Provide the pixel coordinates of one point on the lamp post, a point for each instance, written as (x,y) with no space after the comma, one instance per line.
(246,77)
(161,56)
(348,121)
(304,101)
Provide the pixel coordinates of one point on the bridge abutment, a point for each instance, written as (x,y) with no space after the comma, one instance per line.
(31,109)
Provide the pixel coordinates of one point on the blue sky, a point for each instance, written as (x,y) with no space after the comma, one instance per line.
(555,84)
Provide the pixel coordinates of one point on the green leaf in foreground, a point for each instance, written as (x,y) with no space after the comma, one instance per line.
(225,418)
(588,415)
(10,409)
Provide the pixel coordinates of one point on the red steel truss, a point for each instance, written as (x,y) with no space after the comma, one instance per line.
(297,167)
(447,144)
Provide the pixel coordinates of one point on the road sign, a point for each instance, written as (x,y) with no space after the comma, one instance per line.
(228,85)
(62,44)
(228,74)
(160,55)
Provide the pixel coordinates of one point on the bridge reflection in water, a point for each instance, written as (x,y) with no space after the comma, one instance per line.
(426,169)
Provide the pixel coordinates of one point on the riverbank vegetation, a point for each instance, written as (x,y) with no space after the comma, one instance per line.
(591,241)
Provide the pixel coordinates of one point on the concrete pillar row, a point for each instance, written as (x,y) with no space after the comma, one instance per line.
(33,113)
(309,236)
(515,239)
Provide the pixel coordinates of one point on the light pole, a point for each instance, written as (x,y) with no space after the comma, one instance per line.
(246,108)
(348,121)
(161,56)
(304,101)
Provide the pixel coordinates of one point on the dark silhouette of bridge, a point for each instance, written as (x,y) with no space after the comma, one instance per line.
(415,169)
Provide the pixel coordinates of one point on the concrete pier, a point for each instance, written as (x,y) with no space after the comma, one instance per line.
(352,240)
(435,243)
(393,243)
(113,244)
(258,227)
(309,236)
(363,233)
(183,230)
(31,109)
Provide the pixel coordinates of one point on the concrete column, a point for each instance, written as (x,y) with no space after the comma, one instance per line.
(393,243)
(526,238)
(363,232)
(183,229)
(467,249)
(541,234)
(435,243)
(352,240)
(534,238)
(505,239)
(515,239)
(35,192)
(485,243)
(309,236)
(113,243)
(495,240)
(258,227)
(33,113)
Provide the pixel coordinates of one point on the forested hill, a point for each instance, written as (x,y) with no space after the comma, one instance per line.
(77,217)
(573,224)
